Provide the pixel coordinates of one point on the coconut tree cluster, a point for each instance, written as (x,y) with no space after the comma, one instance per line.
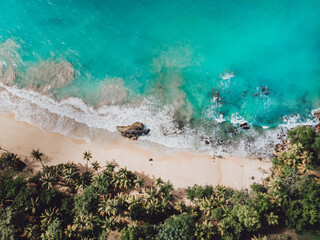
(67,201)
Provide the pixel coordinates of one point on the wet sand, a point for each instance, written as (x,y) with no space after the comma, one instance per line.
(182,167)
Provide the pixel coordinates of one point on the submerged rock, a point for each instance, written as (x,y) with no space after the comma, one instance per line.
(244,126)
(133,131)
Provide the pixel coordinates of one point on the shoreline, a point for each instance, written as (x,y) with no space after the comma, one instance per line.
(182,167)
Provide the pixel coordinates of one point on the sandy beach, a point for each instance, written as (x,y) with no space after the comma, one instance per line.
(182,167)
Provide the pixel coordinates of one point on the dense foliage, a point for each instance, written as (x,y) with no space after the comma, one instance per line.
(61,202)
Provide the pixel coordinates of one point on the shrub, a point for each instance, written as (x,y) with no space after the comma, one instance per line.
(179,227)
(87,202)
(199,192)
(247,216)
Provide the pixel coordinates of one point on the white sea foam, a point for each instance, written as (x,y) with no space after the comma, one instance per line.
(295,120)
(64,116)
(227,76)
(73,117)
(236,119)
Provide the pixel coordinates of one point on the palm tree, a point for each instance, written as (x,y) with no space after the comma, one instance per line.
(11,161)
(89,222)
(165,205)
(139,182)
(122,201)
(103,206)
(95,166)
(87,156)
(108,207)
(84,180)
(272,219)
(111,165)
(153,206)
(70,174)
(108,223)
(302,168)
(49,215)
(206,230)
(207,205)
(33,205)
(165,189)
(116,181)
(37,155)
(151,193)
(132,200)
(102,183)
(70,231)
(181,206)
(32,232)
(48,179)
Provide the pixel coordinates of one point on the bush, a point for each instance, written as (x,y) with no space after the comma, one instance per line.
(199,192)
(87,202)
(50,197)
(23,197)
(179,227)
(67,206)
(13,187)
(247,216)
(132,233)
(54,231)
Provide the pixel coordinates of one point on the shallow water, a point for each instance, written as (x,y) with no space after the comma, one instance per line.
(162,62)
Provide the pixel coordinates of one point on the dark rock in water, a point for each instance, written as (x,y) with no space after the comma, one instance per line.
(263,89)
(146,131)
(317,114)
(267,93)
(244,126)
(133,131)
(206,142)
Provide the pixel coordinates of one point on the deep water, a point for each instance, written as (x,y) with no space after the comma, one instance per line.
(162,62)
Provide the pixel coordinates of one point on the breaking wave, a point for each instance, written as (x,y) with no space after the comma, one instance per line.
(34,96)
(72,117)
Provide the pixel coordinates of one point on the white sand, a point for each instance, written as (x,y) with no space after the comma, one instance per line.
(182,167)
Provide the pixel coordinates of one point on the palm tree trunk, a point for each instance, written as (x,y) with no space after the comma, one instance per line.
(41,163)
(4,150)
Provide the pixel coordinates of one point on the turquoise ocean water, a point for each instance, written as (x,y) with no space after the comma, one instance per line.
(103,63)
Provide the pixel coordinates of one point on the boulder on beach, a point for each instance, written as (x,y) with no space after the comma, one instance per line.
(133,131)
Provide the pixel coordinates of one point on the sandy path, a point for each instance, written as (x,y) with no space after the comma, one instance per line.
(182,167)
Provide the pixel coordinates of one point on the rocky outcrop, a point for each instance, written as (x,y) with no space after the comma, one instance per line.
(245,126)
(133,131)
(317,115)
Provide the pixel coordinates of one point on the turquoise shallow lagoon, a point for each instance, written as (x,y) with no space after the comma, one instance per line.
(104,63)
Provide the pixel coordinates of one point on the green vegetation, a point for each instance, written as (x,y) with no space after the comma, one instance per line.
(108,202)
